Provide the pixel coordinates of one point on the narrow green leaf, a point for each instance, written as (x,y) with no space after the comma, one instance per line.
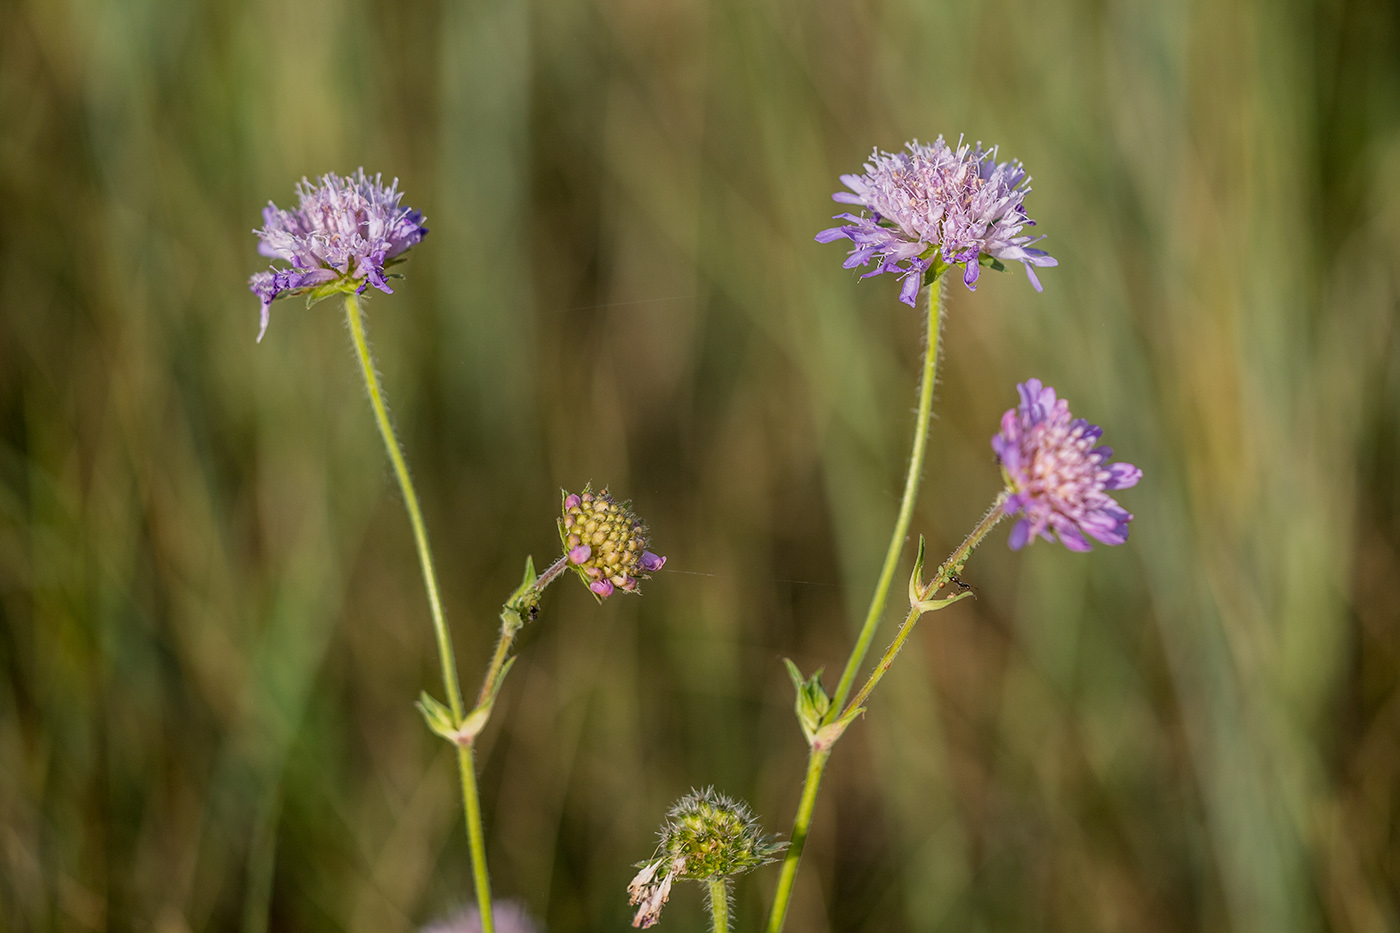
(811,702)
(933,605)
(437,716)
(471,726)
(500,679)
(793,672)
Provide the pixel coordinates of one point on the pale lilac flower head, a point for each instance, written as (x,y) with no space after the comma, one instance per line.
(1057,480)
(343,234)
(508,916)
(933,207)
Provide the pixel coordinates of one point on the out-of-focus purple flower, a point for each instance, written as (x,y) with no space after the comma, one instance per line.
(933,207)
(509,917)
(606,543)
(344,233)
(1057,480)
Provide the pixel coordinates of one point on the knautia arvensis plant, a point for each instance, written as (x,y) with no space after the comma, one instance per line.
(342,237)
(923,212)
(707,837)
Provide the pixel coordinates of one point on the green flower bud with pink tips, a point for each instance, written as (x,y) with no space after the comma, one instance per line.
(605,542)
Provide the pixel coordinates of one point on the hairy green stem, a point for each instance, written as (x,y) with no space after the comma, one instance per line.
(511,623)
(552,571)
(816,761)
(817,757)
(471,802)
(941,579)
(906,504)
(719,904)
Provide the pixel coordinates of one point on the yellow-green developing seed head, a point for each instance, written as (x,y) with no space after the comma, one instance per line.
(706,836)
(605,542)
(715,835)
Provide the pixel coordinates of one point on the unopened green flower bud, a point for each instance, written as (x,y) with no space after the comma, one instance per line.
(605,542)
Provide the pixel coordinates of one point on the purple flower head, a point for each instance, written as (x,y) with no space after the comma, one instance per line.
(605,543)
(933,207)
(1057,480)
(341,237)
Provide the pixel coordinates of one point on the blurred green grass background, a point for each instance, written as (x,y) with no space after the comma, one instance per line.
(213,625)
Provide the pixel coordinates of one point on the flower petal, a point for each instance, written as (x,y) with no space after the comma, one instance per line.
(1020,534)
(1122,476)
(909,294)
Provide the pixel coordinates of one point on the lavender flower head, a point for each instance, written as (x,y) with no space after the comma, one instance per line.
(341,237)
(1057,480)
(934,207)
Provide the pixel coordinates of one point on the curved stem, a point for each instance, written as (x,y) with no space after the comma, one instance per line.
(940,580)
(906,504)
(471,802)
(551,572)
(509,626)
(816,759)
(719,904)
